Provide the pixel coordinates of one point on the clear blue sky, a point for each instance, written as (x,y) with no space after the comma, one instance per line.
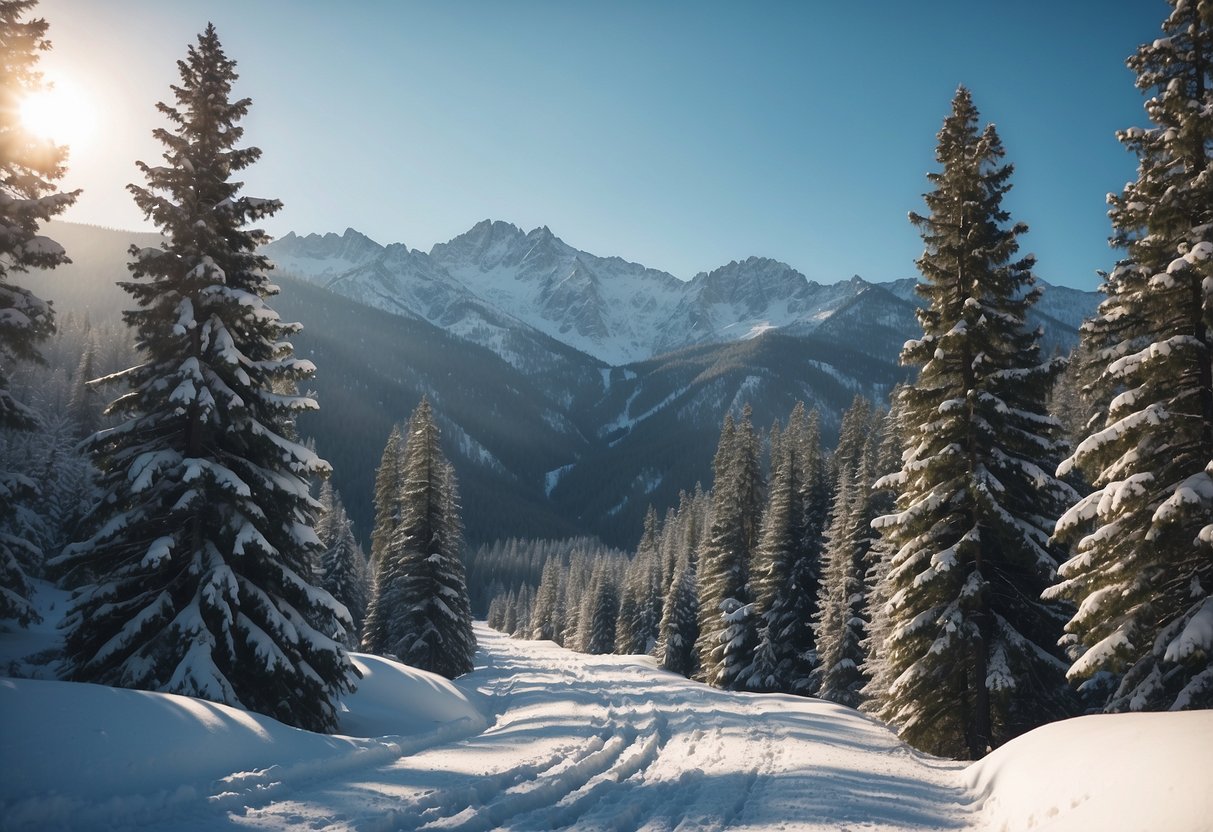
(679,135)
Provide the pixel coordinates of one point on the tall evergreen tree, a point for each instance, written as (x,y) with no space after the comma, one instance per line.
(786,574)
(600,611)
(342,570)
(29,167)
(419,610)
(1142,575)
(972,648)
(208,525)
(546,619)
(82,407)
(640,597)
(389,484)
(678,631)
(727,627)
(676,641)
(882,499)
(805,431)
(841,625)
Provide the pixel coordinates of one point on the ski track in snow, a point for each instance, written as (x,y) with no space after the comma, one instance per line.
(609,743)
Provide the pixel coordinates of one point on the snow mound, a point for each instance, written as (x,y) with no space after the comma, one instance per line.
(1146,771)
(88,756)
(395,699)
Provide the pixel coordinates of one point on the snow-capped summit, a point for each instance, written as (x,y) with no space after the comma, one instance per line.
(325,254)
(496,281)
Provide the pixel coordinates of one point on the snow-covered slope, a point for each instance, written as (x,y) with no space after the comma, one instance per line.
(1107,772)
(496,277)
(537,737)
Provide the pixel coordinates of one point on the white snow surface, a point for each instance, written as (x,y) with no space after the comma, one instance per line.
(1142,771)
(537,737)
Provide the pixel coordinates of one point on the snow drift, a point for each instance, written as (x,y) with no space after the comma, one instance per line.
(87,756)
(1108,772)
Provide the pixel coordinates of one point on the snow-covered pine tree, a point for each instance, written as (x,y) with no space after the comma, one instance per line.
(546,619)
(576,587)
(207,528)
(727,626)
(640,597)
(496,614)
(841,626)
(843,633)
(509,613)
(600,611)
(419,610)
(342,569)
(885,453)
(679,622)
(82,407)
(29,167)
(679,626)
(971,647)
(524,604)
(1142,575)
(852,435)
(389,484)
(816,474)
(786,574)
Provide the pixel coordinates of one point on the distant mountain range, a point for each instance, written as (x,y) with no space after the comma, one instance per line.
(496,283)
(572,390)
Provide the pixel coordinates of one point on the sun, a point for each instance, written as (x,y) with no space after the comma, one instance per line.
(60,111)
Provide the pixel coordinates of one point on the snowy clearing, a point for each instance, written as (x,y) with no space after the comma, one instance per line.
(538,737)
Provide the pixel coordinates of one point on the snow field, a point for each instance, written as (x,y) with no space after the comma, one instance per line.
(611,743)
(1144,772)
(537,737)
(79,756)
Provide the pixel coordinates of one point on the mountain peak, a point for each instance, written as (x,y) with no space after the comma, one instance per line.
(351,247)
(614,310)
(485,244)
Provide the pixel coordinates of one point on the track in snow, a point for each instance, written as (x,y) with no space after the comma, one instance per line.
(609,743)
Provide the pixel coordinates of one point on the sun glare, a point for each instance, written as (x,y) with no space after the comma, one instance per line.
(61,112)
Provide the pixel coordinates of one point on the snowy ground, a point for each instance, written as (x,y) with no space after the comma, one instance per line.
(542,738)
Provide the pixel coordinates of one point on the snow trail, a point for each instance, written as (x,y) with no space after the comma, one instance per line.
(612,743)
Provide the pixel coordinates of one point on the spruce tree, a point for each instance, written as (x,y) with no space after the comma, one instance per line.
(841,627)
(600,611)
(1142,573)
(727,626)
(678,629)
(882,499)
(342,570)
(419,610)
(640,598)
(29,167)
(971,648)
(786,575)
(389,482)
(206,529)
(545,616)
(82,408)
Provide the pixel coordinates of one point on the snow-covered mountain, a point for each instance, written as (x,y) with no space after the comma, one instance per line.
(500,329)
(495,283)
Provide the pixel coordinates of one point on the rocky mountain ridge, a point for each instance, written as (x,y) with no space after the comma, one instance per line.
(497,283)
